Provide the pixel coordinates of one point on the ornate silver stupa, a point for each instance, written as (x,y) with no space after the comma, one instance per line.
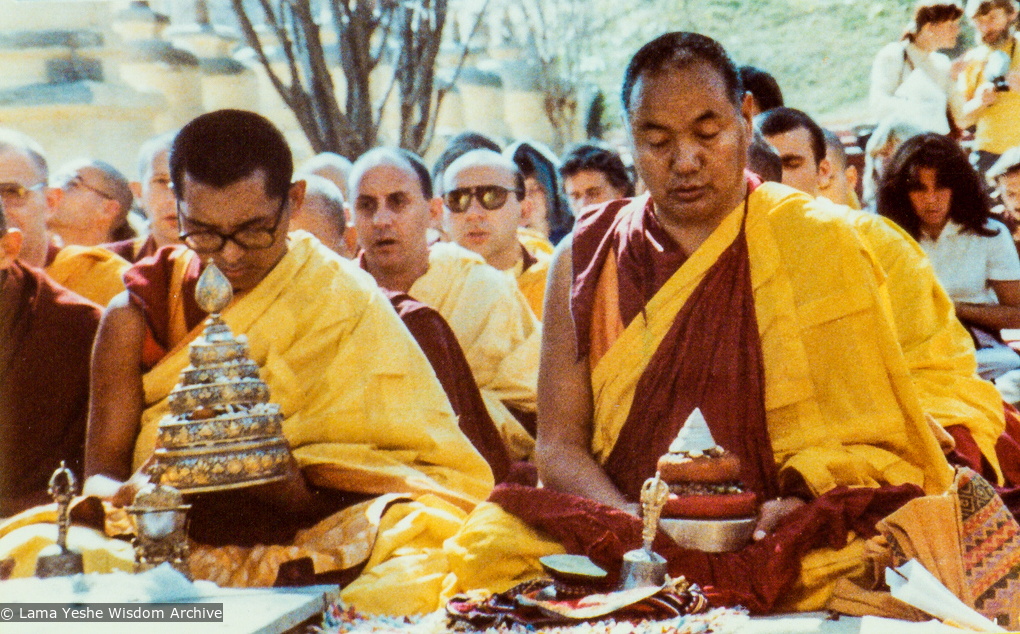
(222,432)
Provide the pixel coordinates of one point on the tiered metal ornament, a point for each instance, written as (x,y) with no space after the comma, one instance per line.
(222,433)
(645,567)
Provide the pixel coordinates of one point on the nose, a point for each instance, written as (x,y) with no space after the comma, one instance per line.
(475,211)
(383,217)
(686,158)
(231,252)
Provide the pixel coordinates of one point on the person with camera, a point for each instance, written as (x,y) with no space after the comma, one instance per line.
(910,78)
(987,90)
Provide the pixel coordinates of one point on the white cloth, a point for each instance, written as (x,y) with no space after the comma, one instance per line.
(911,85)
(966,263)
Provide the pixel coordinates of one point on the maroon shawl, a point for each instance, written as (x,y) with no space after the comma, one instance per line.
(1007,450)
(44,391)
(148,285)
(440,346)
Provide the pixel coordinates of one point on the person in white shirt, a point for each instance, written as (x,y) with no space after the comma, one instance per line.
(910,78)
(931,190)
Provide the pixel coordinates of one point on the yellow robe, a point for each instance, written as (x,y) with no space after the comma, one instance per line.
(841,406)
(92,272)
(495,327)
(532,282)
(534,241)
(356,420)
(937,348)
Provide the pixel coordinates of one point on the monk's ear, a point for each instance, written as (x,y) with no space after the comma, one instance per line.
(136,189)
(10,247)
(851,177)
(110,209)
(527,209)
(351,241)
(436,210)
(53,197)
(747,114)
(825,174)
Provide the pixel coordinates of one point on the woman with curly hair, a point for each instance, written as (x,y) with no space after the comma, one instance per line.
(931,190)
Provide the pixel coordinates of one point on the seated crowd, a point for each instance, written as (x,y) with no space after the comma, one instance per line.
(480,364)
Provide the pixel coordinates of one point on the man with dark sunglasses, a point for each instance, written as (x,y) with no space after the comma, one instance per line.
(92,272)
(393,206)
(483,207)
(360,420)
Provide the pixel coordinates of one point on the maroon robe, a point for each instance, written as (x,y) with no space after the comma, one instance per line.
(44,390)
(440,346)
(1007,450)
(148,285)
(707,362)
(126,249)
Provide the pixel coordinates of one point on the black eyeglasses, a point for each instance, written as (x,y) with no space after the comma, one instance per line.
(490,197)
(206,240)
(16,194)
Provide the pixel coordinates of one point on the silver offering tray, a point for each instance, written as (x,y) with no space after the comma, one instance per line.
(710,536)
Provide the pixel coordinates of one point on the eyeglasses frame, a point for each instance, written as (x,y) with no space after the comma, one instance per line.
(232,237)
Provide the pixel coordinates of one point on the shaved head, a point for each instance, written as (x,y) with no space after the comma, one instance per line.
(481,157)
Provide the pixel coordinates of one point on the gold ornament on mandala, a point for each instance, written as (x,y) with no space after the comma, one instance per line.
(222,431)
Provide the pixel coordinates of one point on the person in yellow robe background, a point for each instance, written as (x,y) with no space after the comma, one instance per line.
(92,272)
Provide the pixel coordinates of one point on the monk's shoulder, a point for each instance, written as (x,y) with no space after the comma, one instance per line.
(340,281)
(881,234)
(460,271)
(803,223)
(70,317)
(94,256)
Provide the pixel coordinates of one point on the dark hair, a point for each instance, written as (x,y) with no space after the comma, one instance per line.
(223,147)
(3,220)
(762,86)
(680,49)
(969,205)
(538,162)
(781,120)
(764,160)
(931,12)
(980,7)
(592,156)
(458,147)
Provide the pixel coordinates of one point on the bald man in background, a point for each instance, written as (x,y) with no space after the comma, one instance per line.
(92,272)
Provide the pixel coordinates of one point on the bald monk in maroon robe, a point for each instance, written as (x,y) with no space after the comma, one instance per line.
(712,291)
(46,334)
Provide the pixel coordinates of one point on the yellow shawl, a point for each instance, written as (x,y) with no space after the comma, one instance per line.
(937,348)
(495,327)
(532,282)
(840,403)
(363,410)
(92,272)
